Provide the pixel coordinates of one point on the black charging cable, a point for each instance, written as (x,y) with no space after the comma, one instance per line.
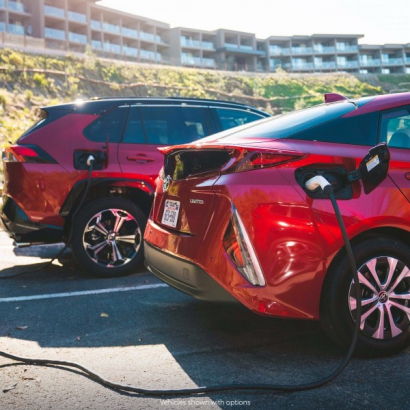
(90,163)
(327,188)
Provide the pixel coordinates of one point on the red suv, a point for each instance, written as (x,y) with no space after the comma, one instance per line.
(46,172)
(232,219)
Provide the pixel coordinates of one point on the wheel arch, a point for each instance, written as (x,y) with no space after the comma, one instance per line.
(389,231)
(138,191)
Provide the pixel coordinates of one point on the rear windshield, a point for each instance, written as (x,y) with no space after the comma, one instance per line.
(283,126)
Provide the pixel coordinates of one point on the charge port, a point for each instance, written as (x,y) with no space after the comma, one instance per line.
(337,176)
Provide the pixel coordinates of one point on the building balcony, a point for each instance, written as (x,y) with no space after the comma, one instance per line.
(242,49)
(190,60)
(239,47)
(160,40)
(77,17)
(112,28)
(302,50)
(16,29)
(187,42)
(112,48)
(325,65)
(2,4)
(347,49)
(16,7)
(147,36)
(96,25)
(407,60)
(324,50)
(2,26)
(147,55)
(129,32)
(54,12)
(208,62)
(54,34)
(375,62)
(393,61)
(348,64)
(130,51)
(207,45)
(275,51)
(302,66)
(77,38)
(274,66)
(96,45)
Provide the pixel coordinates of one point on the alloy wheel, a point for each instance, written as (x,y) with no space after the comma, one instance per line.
(385,297)
(112,238)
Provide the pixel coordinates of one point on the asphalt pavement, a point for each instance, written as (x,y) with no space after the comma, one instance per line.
(135,330)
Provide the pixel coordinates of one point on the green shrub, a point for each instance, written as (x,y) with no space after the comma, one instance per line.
(3,99)
(16,60)
(40,80)
(28,94)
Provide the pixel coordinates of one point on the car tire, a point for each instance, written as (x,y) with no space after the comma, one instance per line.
(383,265)
(107,239)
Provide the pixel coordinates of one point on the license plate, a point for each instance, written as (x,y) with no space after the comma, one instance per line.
(171,212)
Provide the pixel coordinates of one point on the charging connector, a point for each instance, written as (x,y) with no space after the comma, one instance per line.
(90,161)
(319,181)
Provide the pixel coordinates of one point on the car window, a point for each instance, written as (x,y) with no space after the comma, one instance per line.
(234,118)
(395,129)
(356,130)
(134,133)
(109,125)
(173,125)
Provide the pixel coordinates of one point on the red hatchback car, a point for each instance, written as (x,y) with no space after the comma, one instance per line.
(232,219)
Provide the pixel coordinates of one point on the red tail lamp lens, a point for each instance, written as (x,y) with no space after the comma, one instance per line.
(31,154)
(244,159)
(239,249)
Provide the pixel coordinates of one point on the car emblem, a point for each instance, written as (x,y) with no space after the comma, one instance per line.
(166,183)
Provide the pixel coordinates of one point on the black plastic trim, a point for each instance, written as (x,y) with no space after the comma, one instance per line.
(19,227)
(79,187)
(184,276)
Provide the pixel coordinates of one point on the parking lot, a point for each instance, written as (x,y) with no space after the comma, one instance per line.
(136,330)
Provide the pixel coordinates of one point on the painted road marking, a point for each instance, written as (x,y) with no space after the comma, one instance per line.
(82,293)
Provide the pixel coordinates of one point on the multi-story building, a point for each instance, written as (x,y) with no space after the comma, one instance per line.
(75,24)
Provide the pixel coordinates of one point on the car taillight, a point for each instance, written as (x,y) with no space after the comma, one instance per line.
(27,153)
(248,159)
(238,246)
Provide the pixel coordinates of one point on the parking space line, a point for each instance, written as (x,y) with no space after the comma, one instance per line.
(82,293)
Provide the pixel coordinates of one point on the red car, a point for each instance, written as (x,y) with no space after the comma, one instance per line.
(232,220)
(46,172)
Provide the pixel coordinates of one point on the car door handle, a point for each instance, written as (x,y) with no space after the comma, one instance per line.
(140,158)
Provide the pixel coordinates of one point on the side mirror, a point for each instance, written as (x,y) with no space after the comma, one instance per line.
(373,169)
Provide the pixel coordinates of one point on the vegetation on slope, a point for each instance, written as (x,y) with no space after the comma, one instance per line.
(30,81)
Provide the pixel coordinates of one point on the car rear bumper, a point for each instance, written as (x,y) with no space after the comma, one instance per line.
(19,227)
(184,276)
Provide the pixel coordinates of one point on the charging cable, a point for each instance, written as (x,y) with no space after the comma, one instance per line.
(312,184)
(90,164)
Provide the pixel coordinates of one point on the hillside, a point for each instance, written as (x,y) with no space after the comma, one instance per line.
(29,81)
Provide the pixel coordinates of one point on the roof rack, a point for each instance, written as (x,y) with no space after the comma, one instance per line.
(97,98)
